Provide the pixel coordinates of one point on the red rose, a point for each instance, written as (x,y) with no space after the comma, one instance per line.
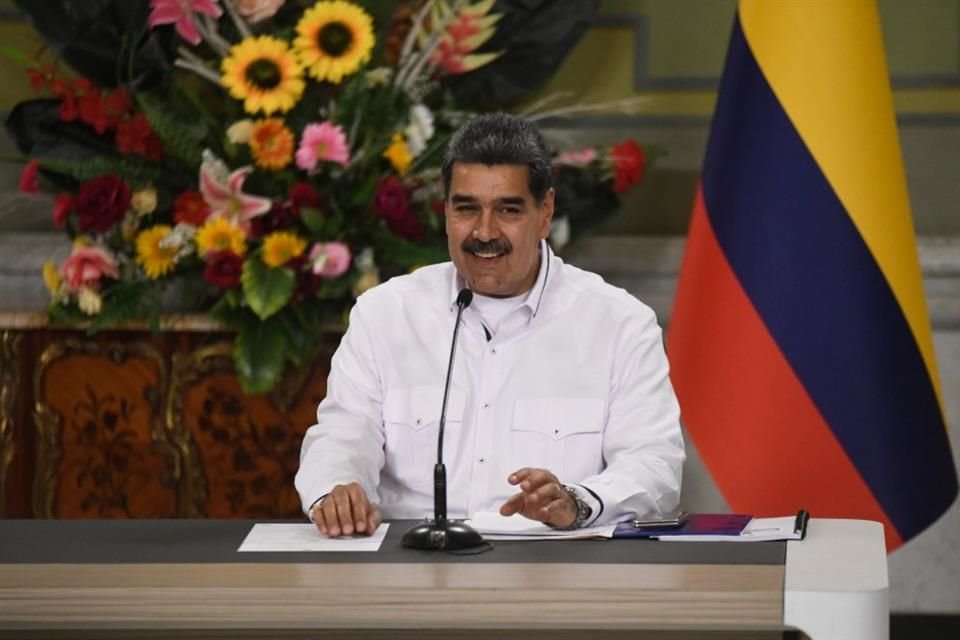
(308,282)
(101,203)
(628,162)
(190,208)
(281,216)
(392,203)
(305,195)
(223,269)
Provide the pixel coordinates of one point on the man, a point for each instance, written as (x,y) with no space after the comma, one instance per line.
(560,406)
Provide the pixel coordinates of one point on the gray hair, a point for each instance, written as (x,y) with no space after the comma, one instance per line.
(501,138)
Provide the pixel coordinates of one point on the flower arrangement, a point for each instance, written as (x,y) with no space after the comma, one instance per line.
(269,159)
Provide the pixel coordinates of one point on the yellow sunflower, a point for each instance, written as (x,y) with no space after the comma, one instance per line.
(219,234)
(271,144)
(264,73)
(156,259)
(280,247)
(334,38)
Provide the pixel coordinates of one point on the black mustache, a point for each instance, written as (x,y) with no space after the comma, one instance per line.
(498,246)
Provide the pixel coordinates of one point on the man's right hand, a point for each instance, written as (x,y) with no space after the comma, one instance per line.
(344,511)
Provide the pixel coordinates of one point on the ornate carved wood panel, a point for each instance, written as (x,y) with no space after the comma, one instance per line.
(140,424)
(102,451)
(245,450)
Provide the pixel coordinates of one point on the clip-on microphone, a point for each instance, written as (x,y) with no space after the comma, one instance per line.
(441,533)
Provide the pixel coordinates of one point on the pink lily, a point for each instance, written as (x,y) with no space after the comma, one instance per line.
(180,13)
(224,194)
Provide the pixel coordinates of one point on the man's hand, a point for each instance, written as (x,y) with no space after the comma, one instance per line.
(542,497)
(346,510)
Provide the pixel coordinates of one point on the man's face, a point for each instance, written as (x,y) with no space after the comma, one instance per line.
(494,227)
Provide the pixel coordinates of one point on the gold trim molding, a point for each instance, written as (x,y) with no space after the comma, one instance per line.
(9,386)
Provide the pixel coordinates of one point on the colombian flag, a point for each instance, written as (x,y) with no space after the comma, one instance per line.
(800,342)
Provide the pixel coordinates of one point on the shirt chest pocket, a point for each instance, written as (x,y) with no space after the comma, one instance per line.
(411,422)
(562,435)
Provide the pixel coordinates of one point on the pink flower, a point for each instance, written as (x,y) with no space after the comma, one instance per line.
(28,178)
(330,260)
(181,14)
(580,158)
(256,10)
(85,267)
(224,193)
(323,141)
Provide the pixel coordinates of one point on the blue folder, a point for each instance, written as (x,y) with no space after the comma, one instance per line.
(719,524)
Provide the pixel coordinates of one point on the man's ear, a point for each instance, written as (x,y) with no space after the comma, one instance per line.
(546,213)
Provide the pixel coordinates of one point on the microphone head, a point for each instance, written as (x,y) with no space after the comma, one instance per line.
(464,298)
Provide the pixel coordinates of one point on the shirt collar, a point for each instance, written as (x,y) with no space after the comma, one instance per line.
(532,301)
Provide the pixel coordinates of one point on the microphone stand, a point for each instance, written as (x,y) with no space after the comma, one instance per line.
(441,533)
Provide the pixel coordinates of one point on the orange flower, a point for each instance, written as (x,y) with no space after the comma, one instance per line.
(271,144)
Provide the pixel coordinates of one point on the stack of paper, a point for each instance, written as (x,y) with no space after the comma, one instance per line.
(493,526)
(277,536)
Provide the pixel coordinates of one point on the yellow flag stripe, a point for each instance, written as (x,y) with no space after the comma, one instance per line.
(824,60)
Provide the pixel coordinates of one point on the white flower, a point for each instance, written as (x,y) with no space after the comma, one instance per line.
(379,77)
(239,131)
(369,274)
(560,232)
(256,10)
(144,201)
(89,301)
(181,239)
(420,129)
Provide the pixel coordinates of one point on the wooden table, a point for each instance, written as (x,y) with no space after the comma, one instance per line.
(832,585)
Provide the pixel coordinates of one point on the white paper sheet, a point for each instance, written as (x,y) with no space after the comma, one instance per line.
(493,526)
(272,536)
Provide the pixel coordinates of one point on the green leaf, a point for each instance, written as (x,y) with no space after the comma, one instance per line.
(266,289)
(313,219)
(132,170)
(259,354)
(180,129)
(122,302)
(16,55)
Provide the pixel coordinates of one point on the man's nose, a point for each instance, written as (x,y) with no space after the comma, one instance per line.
(486,228)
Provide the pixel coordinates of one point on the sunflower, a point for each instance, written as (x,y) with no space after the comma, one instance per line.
(280,247)
(334,38)
(219,234)
(271,144)
(264,73)
(156,258)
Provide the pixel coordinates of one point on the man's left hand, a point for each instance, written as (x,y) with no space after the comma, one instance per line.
(542,498)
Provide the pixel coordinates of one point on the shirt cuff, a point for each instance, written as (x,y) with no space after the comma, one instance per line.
(592,500)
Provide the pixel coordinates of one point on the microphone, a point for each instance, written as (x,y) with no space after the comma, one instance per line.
(441,533)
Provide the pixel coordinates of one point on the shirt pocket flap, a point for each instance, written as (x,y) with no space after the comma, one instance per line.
(418,407)
(558,417)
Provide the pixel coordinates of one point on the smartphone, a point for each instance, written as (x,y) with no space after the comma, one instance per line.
(661,520)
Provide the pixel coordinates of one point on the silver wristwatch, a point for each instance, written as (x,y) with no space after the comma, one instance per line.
(583,509)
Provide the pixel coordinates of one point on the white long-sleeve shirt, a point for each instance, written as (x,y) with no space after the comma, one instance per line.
(575,381)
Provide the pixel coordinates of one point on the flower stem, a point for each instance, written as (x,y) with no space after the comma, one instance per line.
(237,20)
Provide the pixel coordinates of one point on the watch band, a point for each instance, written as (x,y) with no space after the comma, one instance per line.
(583,509)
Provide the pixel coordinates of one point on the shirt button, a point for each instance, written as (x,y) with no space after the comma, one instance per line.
(493,351)
(482,460)
(486,405)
